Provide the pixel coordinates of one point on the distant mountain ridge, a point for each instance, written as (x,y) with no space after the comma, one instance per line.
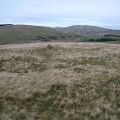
(1,25)
(10,33)
(24,33)
(28,33)
(87,30)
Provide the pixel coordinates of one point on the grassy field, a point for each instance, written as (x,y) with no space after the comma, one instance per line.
(60,82)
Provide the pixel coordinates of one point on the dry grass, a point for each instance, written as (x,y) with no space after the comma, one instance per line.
(66,82)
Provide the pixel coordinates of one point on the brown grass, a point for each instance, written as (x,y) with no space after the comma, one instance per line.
(65,82)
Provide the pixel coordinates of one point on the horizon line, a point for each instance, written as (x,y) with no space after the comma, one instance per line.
(40,25)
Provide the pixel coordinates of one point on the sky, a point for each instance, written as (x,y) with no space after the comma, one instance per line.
(62,13)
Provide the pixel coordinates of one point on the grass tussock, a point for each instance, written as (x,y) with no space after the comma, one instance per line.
(55,83)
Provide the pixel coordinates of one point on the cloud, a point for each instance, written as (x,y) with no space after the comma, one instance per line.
(61,12)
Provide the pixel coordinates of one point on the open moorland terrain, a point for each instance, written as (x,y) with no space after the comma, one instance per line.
(60,81)
(15,34)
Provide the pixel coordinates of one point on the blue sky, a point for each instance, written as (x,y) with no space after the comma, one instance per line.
(103,13)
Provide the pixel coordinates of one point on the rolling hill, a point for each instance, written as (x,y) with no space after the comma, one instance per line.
(87,30)
(24,33)
(10,34)
(28,33)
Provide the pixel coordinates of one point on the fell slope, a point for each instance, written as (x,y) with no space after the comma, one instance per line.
(24,33)
(10,34)
(87,30)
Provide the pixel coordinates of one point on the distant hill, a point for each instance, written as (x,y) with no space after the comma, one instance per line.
(10,34)
(87,30)
(2,25)
(24,33)
(27,33)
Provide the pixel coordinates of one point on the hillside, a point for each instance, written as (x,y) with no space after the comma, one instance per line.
(26,33)
(10,34)
(86,30)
